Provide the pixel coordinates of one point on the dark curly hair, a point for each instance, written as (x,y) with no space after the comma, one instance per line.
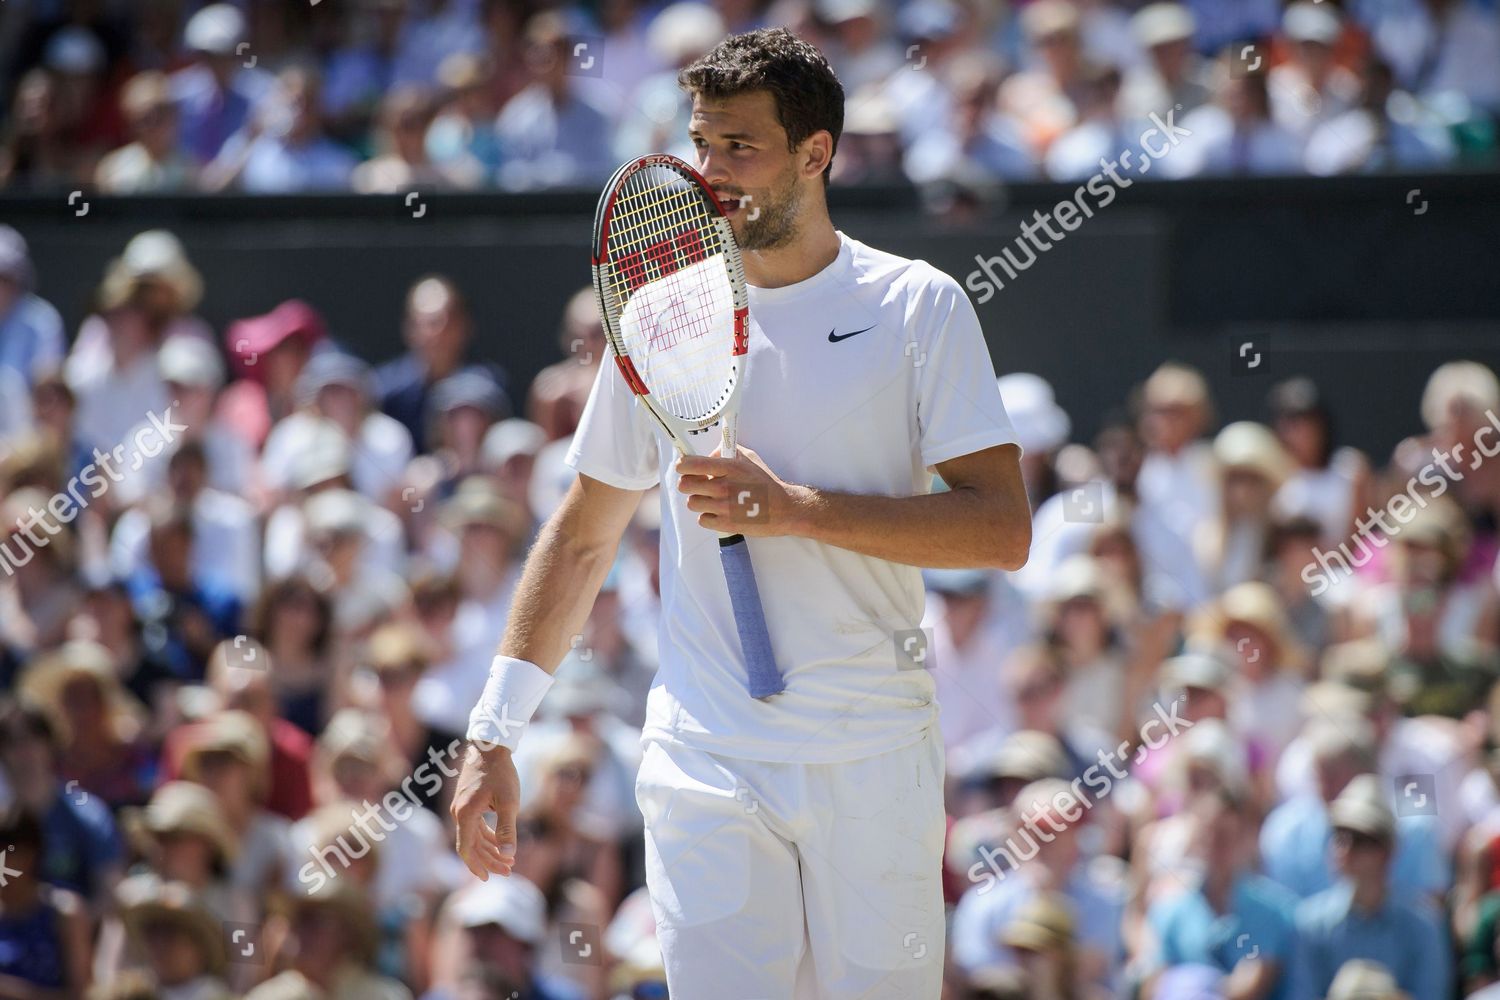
(809,98)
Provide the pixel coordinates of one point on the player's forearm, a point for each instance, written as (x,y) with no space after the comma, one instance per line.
(958,529)
(558,587)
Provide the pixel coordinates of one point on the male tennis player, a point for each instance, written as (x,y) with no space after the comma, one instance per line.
(793,844)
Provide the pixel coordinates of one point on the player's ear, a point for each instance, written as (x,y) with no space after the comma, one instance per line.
(816,153)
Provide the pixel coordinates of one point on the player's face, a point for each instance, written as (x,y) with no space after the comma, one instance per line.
(742,153)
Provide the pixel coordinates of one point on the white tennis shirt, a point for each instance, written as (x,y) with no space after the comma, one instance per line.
(907,383)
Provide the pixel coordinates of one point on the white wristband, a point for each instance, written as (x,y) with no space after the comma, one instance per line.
(514,689)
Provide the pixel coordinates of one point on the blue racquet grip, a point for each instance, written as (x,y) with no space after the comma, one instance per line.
(750,618)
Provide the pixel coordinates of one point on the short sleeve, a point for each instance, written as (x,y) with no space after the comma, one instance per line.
(616,441)
(959,410)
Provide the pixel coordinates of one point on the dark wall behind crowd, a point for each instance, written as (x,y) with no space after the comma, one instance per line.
(1366,284)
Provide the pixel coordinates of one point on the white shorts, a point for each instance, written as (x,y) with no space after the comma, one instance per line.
(796,881)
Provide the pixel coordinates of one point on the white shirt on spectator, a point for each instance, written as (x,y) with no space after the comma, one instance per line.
(226,543)
(379,453)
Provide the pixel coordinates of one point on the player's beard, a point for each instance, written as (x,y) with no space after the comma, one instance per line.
(775,225)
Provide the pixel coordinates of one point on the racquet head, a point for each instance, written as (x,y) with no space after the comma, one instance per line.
(671,291)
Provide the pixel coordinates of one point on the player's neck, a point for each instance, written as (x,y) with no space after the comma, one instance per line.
(814,248)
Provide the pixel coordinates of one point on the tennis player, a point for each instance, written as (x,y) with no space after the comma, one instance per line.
(793,844)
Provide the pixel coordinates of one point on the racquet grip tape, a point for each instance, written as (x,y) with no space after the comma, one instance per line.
(749,618)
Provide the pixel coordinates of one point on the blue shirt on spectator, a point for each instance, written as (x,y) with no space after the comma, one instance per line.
(981,916)
(1259,924)
(549,143)
(81,842)
(31,337)
(207,116)
(275,166)
(1296,843)
(1405,937)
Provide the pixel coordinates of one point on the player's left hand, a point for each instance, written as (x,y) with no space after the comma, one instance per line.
(739,495)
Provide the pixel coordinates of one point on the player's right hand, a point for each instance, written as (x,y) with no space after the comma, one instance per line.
(487,781)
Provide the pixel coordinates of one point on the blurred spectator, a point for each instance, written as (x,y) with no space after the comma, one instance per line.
(1100,133)
(559,391)
(331,944)
(982,145)
(430,33)
(1231,918)
(461,409)
(31,333)
(1054,863)
(437,331)
(1080,621)
(461,138)
(1440,48)
(181,942)
(339,388)
(1046,99)
(1311,88)
(99,724)
(215,96)
(862,52)
(148,294)
(283,148)
(1362,917)
(81,849)
(359,71)
(269,353)
(1252,466)
(293,620)
(186,614)
(493,929)
(1370,137)
(1327,482)
(1178,480)
(870,146)
(967,641)
(1236,134)
(45,948)
(1174,77)
(35,152)
(226,553)
(550,132)
(153,162)
(401,163)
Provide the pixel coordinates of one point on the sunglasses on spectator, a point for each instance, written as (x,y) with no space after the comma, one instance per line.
(1355,839)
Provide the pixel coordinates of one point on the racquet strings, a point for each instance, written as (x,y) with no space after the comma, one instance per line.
(669,273)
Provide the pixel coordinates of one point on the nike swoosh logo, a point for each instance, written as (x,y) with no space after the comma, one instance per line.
(834,338)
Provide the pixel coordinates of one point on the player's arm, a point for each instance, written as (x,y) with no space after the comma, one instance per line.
(561,579)
(982,521)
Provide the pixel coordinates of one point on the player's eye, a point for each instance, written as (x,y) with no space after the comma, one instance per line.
(737,146)
(699,142)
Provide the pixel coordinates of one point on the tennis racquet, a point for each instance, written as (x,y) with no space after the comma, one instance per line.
(671,291)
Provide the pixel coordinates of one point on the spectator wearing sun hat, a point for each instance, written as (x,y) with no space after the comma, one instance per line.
(1310,88)
(332,943)
(267,354)
(340,388)
(1174,75)
(148,293)
(31,331)
(99,722)
(183,835)
(178,938)
(1363,916)
(501,923)
(153,162)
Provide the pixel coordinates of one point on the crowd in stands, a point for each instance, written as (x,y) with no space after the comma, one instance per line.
(390,96)
(1233,731)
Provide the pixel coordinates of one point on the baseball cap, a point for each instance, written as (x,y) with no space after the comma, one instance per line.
(1030,755)
(512,903)
(470,387)
(332,368)
(1196,669)
(323,452)
(509,438)
(260,334)
(1308,22)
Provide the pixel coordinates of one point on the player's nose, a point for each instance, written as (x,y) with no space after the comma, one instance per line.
(714,170)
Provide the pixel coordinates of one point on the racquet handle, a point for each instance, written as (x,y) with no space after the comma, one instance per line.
(749,618)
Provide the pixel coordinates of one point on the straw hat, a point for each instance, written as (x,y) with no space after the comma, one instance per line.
(1246,444)
(184,807)
(157,256)
(348,902)
(1030,755)
(353,732)
(1257,605)
(232,732)
(1467,382)
(1361,807)
(148,899)
(1042,924)
(478,502)
(81,659)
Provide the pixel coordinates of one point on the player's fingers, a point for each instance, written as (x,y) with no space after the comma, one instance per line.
(505,837)
(701,465)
